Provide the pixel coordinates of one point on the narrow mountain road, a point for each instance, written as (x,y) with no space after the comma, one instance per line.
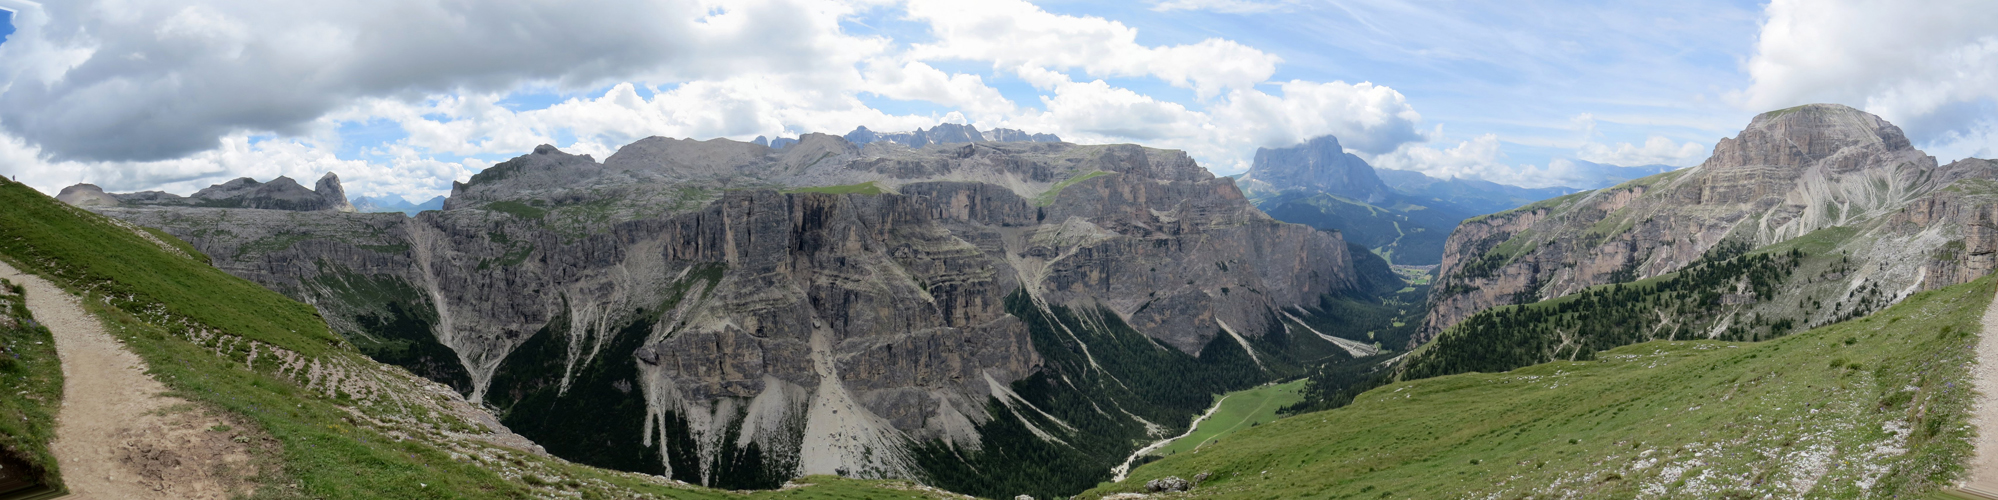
(116,436)
(1983,478)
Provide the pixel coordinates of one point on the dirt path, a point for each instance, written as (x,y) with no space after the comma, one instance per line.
(116,436)
(1984,464)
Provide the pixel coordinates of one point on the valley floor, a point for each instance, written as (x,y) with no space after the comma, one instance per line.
(116,435)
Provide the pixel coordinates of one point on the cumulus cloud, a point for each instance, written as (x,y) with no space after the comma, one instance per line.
(176,96)
(1477,158)
(1014,33)
(1656,150)
(1367,118)
(1932,68)
(921,82)
(150,80)
(238,155)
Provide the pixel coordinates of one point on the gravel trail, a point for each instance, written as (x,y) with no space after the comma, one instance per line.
(117,437)
(1983,475)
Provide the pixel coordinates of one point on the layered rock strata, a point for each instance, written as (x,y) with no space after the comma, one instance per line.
(1913,225)
(729,313)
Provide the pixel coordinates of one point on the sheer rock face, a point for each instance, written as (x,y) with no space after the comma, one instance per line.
(830,329)
(281,193)
(1789,173)
(1319,165)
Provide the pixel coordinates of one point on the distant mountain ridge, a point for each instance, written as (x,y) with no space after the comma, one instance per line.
(945,133)
(1602,175)
(393,203)
(992,317)
(281,193)
(1478,195)
(1404,216)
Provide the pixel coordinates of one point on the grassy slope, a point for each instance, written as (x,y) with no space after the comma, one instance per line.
(30,386)
(1244,409)
(159,303)
(1867,408)
(1048,197)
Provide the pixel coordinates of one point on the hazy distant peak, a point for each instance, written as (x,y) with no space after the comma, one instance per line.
(1317,165)
(946,133)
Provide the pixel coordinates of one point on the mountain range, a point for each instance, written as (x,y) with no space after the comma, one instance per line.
(1001,313)
(992,317)
(395,204)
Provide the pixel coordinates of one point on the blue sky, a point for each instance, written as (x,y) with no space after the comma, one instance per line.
(402,100)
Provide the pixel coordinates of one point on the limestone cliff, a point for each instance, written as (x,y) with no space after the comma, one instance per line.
(732,314)
(1904,223)
(1320,165)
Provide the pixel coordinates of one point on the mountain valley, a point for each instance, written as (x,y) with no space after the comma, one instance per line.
(1000,313)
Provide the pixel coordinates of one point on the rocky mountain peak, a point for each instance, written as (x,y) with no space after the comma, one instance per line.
(1807,134)
(281,193)
(86,195)
(1320,165)
(329,191)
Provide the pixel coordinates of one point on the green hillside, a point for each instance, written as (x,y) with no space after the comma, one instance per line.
(1240,411)
(1875,407)
(223,343)
(30,392)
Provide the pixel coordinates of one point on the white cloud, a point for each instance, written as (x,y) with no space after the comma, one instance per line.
(1014,33)
(1477,158)
(1931,68)
(163,79)
(1367,118)
(216,89)
(919,81)
(238,155)
(1223,6)
(1655,150)
(1096,109)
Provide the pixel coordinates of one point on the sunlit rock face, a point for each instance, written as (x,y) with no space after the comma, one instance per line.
(1791,172)
(734,314)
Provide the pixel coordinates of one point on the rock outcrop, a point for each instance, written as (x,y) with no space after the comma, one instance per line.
(727,313)
(1913,225)
(1320,165)
(86,195)
(281,193)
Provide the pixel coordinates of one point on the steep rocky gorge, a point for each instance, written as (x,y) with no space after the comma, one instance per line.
(713,311)
(1841,181)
